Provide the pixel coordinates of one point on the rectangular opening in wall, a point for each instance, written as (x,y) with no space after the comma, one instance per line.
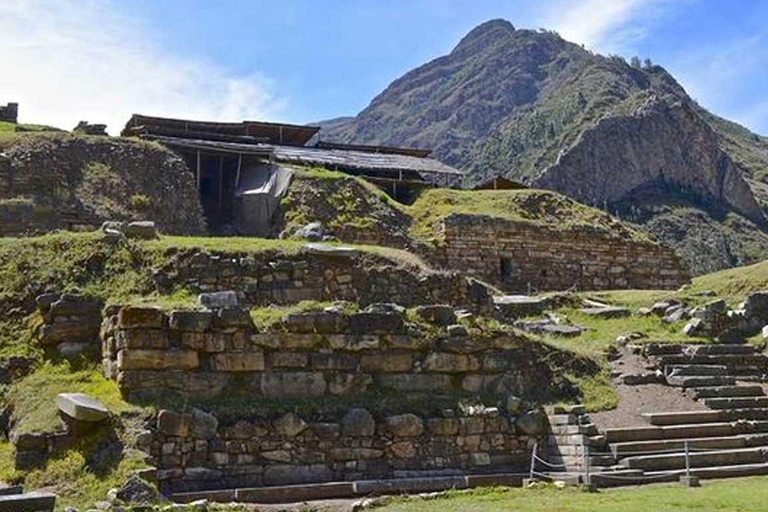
(507,267)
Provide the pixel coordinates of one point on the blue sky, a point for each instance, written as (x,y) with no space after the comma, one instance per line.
(302,60)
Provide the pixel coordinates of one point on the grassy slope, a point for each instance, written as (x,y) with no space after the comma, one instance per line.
(744,495)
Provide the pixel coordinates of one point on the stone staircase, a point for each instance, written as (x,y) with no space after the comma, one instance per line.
(728,439)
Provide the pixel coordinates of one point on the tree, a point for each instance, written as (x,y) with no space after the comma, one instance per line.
(648,64)
(635,62)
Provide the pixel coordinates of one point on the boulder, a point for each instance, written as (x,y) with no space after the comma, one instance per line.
(314,232)
(141,230)
(756,305)
(438,314)
(290,425)
(694,327)
(203,425)
(219,300)
(674,314)
(533,424)
(358,423)
(660,308)
(138,491)
(514,405)
(405,425)
(81,407)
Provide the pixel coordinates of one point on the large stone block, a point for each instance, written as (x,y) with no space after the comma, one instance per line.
(142,338)
(387,363)
(68,331)
(132,317)
(206,341)
(320,361)
(383,322)
(233,318)
(238,361)
(193,321)
(289,474)
(417,383)
(290,425)
(288,360)
(292,384)
(81,407)
(405,425)
(75,305)
(444,362)
(344,384)
(443,426)
(148,359)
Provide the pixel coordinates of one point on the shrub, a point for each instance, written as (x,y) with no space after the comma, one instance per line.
(140,202)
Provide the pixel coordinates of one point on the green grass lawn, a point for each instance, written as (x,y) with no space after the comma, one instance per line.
(742,495)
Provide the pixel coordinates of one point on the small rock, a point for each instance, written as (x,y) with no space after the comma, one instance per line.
(457,330)
(533,424)
(314,232)
(219,300)
(72,349)
(438,314)
(514,405)
(660,308)
(643,312)
(405,425)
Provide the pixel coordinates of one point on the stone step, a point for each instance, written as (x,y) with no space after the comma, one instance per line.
(577,461)
(696,370)
(759,360)
(563,419)
(725,391)
(577,409)
(711,416)
(333,490)
(656,349)
(669,461)
(738,402)
(671,445)
(560,430)
(728,471)
(617,477)
(575,440)
(29,502)
(695,382)
(651,433)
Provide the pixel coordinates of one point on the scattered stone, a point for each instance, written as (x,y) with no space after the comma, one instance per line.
(756,305)
(765,332)
(457,330)
(675,314)
(517,306)
(358,423)
(643,378)
(660,308)
(141,230)
(314,231)
(81,407)
(138,491)
(219,300)
(438,314)
(644,312)
(606,312)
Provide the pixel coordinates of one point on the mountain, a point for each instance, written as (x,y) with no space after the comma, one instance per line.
(532,107)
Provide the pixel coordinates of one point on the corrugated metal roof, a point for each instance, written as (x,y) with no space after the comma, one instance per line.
(363,160)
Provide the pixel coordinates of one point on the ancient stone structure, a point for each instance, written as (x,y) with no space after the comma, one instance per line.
(193,451)
(70,322)
(9,113)
(521,256)
(270,278)
(206,354)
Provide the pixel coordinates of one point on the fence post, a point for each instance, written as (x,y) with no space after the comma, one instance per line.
(533,461)
(688,480)
(587,478)
(687,461)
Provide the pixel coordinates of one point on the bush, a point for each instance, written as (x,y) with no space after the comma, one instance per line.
(140,202)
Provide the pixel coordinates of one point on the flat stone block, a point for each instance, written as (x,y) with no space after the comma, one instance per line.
(690,481)
(30,502)
(81,407)
(296,493)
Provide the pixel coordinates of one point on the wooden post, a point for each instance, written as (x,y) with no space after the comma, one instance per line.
(198,171)
(239,166)
(221,179)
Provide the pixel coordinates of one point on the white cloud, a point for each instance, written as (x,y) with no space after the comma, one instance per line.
(605,25)
(71,60)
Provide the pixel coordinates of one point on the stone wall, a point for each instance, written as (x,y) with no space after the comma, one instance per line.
(192,451)
(522,257)
(9,113)
(208,354)
(274,278)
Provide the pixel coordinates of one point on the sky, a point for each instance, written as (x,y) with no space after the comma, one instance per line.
(302,61)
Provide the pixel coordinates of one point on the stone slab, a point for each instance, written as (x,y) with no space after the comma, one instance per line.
(295,493)
(82,407)
(30,502)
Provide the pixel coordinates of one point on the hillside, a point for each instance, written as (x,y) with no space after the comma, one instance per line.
(535,108)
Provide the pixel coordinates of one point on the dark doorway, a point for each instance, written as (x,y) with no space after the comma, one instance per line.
(216,184)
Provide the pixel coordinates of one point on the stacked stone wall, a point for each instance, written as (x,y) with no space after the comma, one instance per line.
(207,354)
(270,278)
(521,257)
(192,451)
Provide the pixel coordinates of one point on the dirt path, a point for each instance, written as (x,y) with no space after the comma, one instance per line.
(636,400)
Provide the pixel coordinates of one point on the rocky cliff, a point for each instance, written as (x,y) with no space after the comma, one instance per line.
(535,108)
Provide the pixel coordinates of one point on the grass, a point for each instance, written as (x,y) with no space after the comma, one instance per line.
(734,284)
(742,495)
(538,207)
(34,397)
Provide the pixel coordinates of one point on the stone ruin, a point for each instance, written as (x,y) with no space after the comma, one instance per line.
(9,113)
